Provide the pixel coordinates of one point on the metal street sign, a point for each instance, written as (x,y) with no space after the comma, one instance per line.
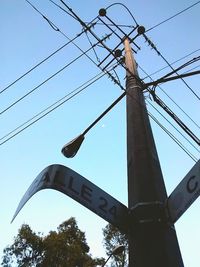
(184,194)
(74,185)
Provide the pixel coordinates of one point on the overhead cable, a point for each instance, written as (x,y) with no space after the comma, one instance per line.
(175,15)
(186,64)
(174,117)
(131,14)
(189,117)
(174,126)
(166,61)
(174,139)
(172,63)
(151,43)
(53,75)
(50,108)
(41,62)
(52,54)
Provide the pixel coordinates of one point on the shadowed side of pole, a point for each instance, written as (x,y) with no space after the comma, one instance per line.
(152,241)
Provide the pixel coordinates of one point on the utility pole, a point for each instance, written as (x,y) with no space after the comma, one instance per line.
(152,240)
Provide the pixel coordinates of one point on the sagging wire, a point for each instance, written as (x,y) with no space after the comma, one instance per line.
(172,63)
(174,127)
(150,43)
(53,106)
(49,78)
(189,117)
(174,138)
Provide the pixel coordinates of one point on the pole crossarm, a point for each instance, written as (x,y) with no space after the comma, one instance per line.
(163,80)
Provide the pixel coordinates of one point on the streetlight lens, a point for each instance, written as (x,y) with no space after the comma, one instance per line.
(118,250)
(70,149)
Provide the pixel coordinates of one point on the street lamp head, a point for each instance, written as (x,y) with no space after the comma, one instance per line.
(118,250)
(70,149)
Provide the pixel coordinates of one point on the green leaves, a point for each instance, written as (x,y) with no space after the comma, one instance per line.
(65,247)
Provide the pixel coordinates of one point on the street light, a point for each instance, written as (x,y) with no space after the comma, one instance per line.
(70,149)
(116,251)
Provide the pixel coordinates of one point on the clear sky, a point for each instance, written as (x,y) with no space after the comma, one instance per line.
(26,39)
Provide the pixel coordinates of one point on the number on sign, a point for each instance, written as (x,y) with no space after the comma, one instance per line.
(104,207)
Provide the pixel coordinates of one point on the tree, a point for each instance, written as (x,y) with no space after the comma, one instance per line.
(112,238)
(27,249)
(62,248)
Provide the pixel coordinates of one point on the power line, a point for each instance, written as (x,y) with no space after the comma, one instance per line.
(172,63)
(154,47)
(65,99)
(97,58)
(174,127)
(114,25)
(49,78)
(56,51)
(158,24)
(126,9)
(54,27)
(174,116)
(41,62)
(79,21)
(150,42)
(175,15)
(89,25)
(153,27)
(191,69)
(189,117)
(166,61)
(62,9)
(82,23)
(97,38)
(188,63)
(174,139)
(52,107)
(70,41)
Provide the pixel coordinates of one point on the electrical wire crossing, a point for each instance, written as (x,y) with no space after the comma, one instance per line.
(103,13)
(152,45)
(87,28)
(52,76)
(10,135)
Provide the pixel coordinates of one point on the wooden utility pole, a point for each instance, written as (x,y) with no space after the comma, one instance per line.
(152,241)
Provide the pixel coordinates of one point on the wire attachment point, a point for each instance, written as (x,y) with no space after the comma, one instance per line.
(102,12)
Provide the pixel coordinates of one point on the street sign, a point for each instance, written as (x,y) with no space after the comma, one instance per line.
(184,194)
(74,185)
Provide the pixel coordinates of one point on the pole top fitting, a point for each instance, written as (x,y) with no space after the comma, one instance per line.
(102,12)
(141,30)
(118,53)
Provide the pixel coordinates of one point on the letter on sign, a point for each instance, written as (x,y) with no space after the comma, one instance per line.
(74,185)
(184,194)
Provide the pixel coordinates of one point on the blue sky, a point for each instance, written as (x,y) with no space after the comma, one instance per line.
(26,39)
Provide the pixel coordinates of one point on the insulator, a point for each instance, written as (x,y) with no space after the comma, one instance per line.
(102,12)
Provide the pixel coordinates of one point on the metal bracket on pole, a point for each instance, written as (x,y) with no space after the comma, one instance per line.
(148,212)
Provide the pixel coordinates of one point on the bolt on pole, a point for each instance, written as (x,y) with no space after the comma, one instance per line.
(152,240)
